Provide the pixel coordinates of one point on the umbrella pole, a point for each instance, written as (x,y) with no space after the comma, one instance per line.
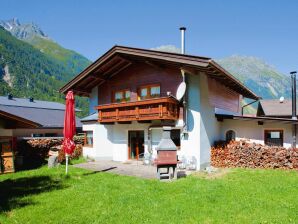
(66,168)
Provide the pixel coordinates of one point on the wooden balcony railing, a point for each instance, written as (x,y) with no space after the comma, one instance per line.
(165,108)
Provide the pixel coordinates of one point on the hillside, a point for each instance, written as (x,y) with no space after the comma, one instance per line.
(25,72)
(34,35)
(257,75)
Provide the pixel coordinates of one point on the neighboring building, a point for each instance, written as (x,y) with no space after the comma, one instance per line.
(21,117)
(275,108)
(130,92)
(272,125)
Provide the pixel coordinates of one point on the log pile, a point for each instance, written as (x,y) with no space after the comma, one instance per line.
(252,155)
(35,151)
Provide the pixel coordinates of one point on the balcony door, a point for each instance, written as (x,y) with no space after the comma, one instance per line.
(135,144)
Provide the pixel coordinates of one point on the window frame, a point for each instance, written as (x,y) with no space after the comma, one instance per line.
(85,139)
(123,91)
(148,87)
(274,130)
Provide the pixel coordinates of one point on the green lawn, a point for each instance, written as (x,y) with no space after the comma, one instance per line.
(242,196)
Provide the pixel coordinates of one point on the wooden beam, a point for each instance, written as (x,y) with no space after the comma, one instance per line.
(154,64)
(190,70)
(96,77)
(110,69)
(121,69)
(81,92)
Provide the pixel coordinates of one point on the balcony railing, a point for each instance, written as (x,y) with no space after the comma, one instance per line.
(165,108)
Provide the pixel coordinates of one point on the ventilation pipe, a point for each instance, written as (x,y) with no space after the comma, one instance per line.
(294,109)
(182,29)
(10,96)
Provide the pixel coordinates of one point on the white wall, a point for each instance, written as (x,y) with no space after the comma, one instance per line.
(93,100)
(209,126)
(254,132)
(102,143)
(190,144)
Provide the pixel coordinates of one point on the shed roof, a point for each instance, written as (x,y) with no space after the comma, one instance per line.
(91,117)
(24,102)
(275,108)
(120,57)
(44,114)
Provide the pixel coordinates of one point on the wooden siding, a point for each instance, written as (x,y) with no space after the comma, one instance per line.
(223,97)
(139,74)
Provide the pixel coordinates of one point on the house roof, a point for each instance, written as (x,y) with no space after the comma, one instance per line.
(275,108)
(119,57)
(40,113)
(91,117)
(12,121)
(23,102)
(222,116)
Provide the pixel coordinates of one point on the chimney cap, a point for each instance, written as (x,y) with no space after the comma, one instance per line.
(182,28)
(10,96)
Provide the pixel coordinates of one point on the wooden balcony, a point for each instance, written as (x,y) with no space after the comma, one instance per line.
(165,108)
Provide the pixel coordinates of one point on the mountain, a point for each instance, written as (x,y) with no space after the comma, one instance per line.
(25,71)
(34,35)
(257,75)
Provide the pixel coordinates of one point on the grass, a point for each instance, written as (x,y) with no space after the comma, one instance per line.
(239,196)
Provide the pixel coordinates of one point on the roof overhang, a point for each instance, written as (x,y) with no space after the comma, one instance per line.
(119,58)
(222,117)
(12,121)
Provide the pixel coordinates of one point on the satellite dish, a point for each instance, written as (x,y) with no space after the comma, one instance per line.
(281,99)
(181,91)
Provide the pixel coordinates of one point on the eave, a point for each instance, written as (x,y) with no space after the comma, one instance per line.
(19,122)
(119,58)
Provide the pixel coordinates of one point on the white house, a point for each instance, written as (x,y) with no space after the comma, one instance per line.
(131,98)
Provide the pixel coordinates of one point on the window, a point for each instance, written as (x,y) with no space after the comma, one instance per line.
(274,137)
(175,136)
(230,135)
(121,96)
(88,139)
(148,92)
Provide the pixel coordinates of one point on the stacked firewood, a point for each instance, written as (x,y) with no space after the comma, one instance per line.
(44,143)
(251,155)
(76,153)
(51,142)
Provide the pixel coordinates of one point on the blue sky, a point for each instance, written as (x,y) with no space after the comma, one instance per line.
(267,29)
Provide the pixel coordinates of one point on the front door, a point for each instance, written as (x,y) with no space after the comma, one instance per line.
(135,144)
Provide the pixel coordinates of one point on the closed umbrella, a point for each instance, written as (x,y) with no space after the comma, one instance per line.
(69,127)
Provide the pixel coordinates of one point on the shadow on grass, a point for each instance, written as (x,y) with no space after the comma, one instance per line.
(100,171)
(12,192)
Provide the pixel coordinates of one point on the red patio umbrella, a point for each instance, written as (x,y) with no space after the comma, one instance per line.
(69,127)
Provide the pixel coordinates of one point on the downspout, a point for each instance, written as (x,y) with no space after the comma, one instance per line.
(184,102)
(294,110)
(185,115)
